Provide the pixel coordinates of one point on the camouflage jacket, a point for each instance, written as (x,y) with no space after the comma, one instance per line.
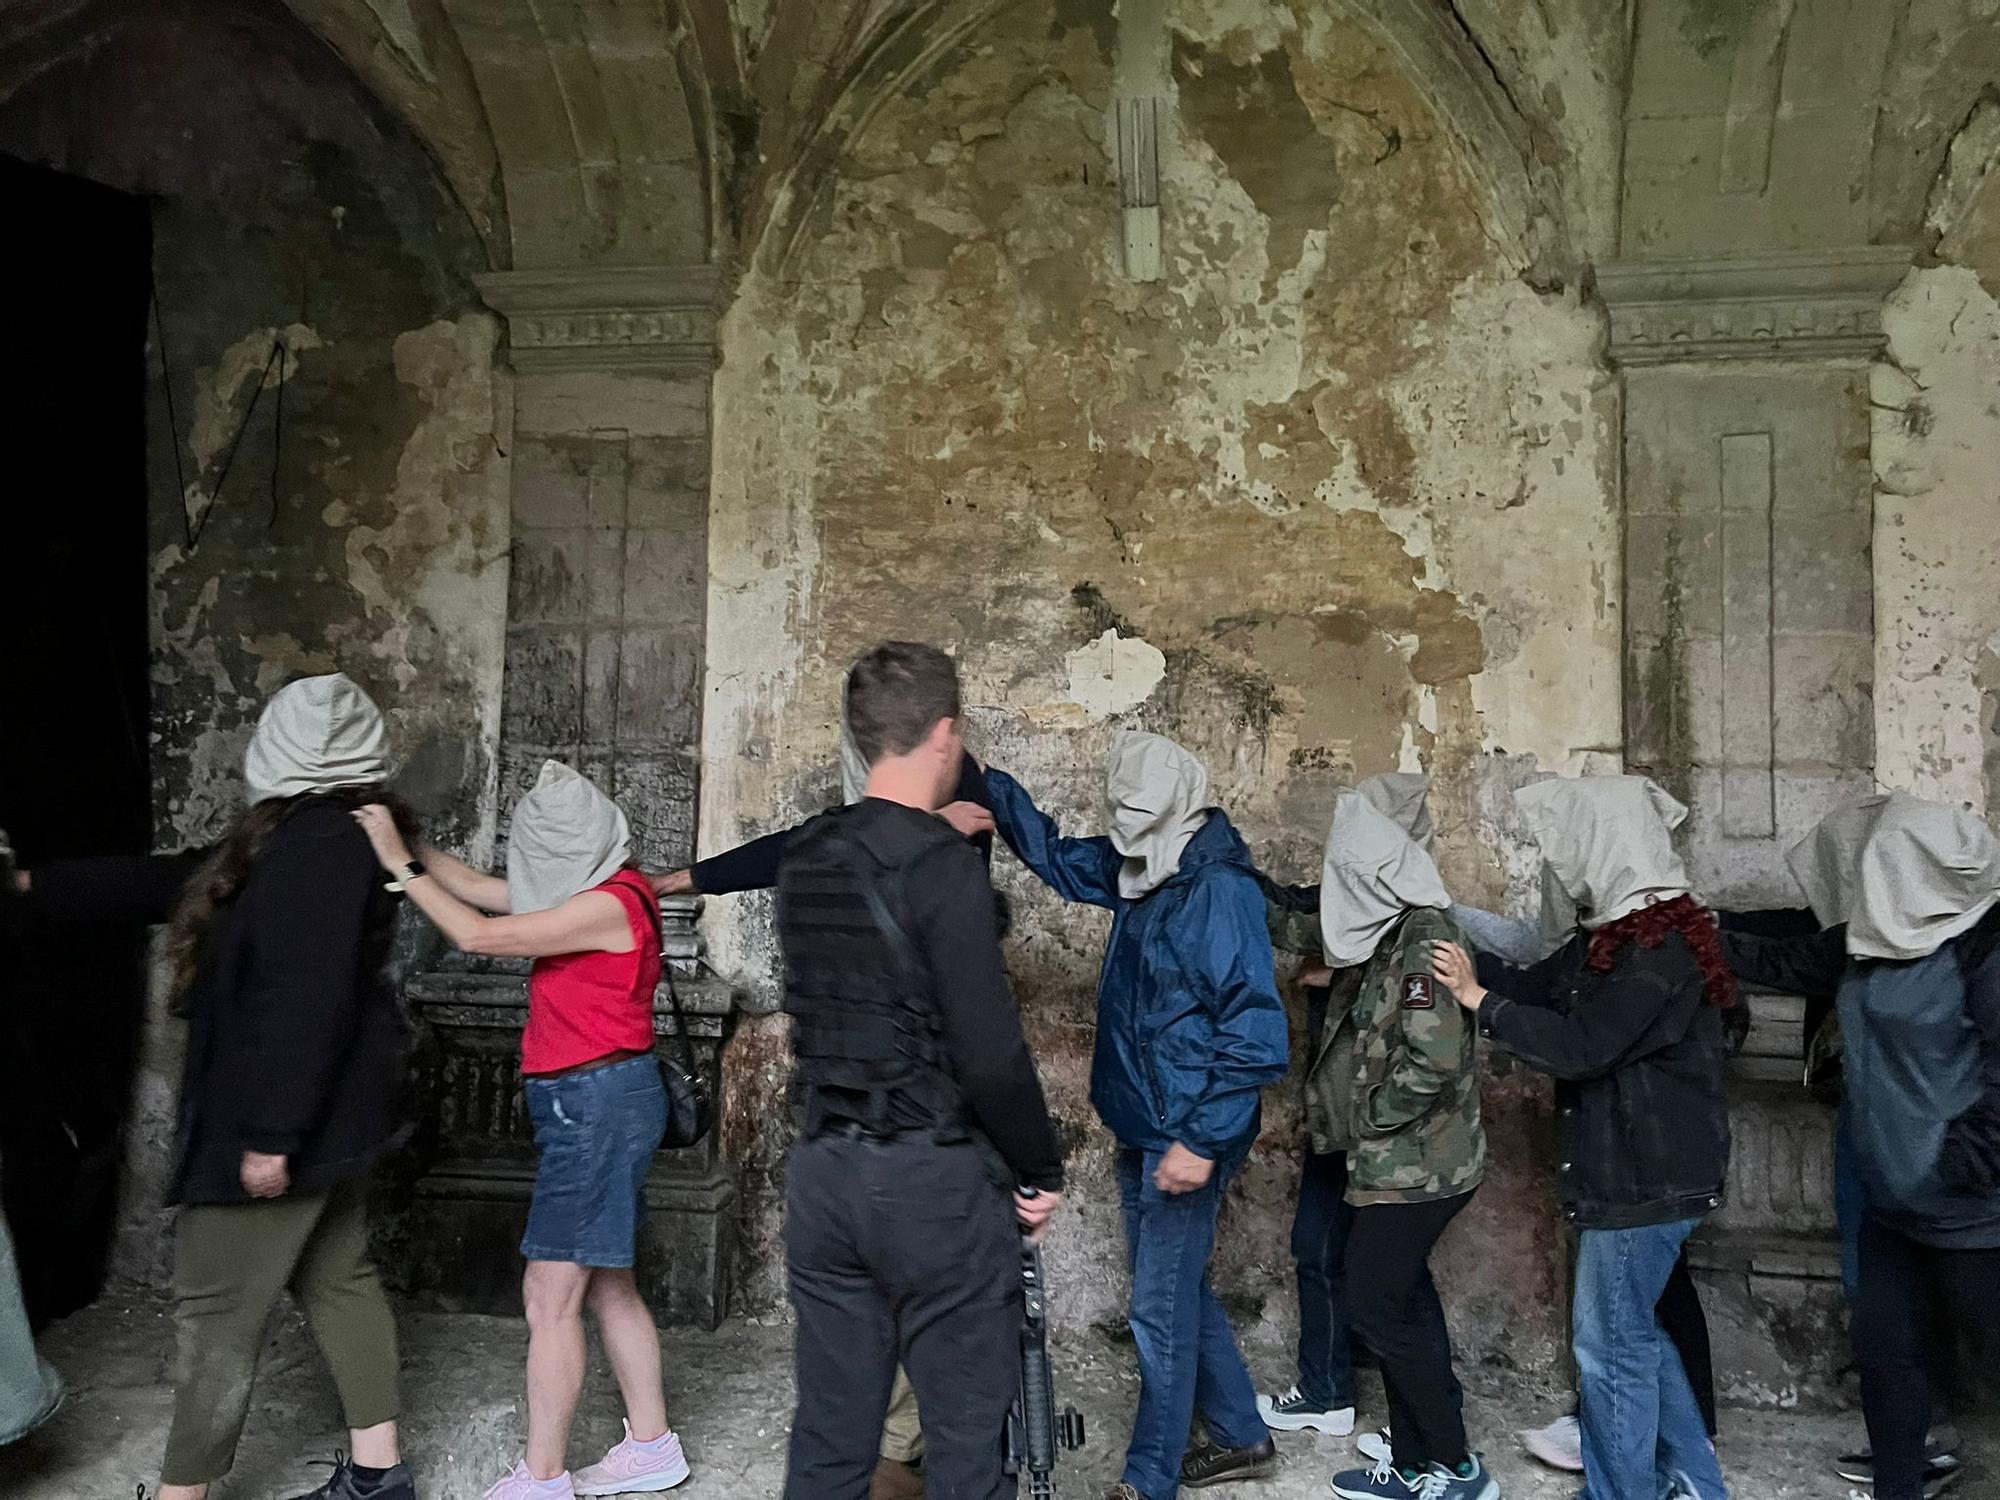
(1415,1093)
(1329,1082)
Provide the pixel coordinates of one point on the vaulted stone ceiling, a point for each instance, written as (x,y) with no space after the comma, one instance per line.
(609,132)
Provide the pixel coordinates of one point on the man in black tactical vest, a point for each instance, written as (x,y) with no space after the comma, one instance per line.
(924,1140)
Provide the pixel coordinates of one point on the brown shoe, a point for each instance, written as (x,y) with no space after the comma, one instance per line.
(896,1480)
(1206,1466)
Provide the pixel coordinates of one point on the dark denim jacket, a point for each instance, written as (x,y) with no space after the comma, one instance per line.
(1637,1055)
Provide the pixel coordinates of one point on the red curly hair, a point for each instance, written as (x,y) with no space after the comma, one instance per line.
(1649,926)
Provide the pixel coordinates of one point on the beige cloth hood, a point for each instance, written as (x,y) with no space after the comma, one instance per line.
(1404,797)
(1372,874)
(315,735)
(1607,841)
(1904,873)
(1156,798)
(567,837)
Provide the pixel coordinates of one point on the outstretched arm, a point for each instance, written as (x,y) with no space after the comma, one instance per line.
(1587,1041)
(474,888)
(590,922)
(1075,869)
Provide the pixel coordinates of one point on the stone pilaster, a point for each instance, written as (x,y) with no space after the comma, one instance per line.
(608,603)
(1748,503)
(605,643)
(1749,664)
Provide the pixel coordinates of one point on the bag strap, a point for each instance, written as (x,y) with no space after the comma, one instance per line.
(652,906)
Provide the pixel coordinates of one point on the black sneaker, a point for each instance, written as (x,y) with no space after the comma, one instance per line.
(1940,1467)
(1206,1466)
(344,1484)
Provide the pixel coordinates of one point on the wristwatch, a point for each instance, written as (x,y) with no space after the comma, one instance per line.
(404,876)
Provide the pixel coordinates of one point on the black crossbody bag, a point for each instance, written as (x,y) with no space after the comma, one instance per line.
(690,1110)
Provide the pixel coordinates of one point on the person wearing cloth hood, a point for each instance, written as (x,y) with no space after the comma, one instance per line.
(1189,1029)
(1909,893)
(1407,1112)
(573,902)
(753,866)
(1322,1398)
(295,1050)
(1626,1017)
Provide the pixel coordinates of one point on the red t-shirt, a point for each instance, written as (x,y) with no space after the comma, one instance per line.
(583,1006)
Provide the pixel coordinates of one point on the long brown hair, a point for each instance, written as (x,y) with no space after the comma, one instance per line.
(224,874)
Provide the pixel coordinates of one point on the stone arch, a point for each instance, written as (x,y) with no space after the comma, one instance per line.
(583,127)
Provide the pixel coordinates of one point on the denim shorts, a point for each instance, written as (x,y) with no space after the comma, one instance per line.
(597,1132)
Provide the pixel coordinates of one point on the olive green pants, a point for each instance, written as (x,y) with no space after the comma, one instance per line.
(902,1435)
(230,1264)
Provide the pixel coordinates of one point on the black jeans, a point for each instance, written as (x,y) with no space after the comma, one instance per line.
(1897,1337)
(1399,1317)
(900,1250)
(1680,1315)
(1319,1248)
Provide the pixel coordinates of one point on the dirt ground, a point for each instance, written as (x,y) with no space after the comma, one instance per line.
(731,1396)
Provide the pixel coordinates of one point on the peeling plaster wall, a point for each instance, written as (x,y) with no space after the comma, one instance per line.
(287,206)
(1340,469)
(1936,430)
(1937,551)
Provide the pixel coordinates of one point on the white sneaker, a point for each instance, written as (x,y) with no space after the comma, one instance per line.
(1375,1447)
(1291,1412)
(1559,1445)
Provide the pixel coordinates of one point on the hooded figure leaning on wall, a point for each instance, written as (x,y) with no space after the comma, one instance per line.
(1189,1030)
(576,903)
(1626,1017)
(295,1055)
(1404,1107)
(1908,892)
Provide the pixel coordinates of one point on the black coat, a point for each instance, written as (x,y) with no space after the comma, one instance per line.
(1637,1055)
(296,1045)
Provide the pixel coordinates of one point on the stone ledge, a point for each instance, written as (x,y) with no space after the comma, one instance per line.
(608,317)
(1789,305)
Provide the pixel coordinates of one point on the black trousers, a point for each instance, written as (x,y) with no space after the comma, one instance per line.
(1396,1312)
(1681,1317)
(1905,1286)
(900,1251)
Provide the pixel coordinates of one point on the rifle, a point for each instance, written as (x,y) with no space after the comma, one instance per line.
(1035,1429)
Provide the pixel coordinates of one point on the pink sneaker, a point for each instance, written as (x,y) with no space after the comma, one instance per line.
(634,1468)
(521,1485)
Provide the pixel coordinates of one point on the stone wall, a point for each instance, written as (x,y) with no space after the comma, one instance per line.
(1332,496)
(369,531)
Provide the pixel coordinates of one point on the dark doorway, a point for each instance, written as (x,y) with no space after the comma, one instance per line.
(76,260)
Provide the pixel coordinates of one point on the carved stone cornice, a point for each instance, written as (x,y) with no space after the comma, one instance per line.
(609,317)
(1814,304)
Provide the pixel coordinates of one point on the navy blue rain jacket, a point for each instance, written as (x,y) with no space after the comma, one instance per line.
(1189,1023)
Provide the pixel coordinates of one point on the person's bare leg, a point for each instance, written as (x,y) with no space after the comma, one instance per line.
(183,1492)
(632,1342)
(372,1447)
(553,1292)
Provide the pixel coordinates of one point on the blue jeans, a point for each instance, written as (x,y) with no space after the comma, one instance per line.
(1188,1360)
(1319,1248)
(1642,1431)
(597,1131)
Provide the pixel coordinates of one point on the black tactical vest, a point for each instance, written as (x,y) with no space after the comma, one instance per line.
(866,1041)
